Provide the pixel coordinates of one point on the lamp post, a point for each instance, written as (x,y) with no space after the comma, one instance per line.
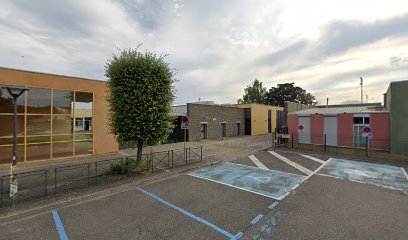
(361,84)
(15,93)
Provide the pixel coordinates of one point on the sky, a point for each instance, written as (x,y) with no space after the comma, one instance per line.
(218,47)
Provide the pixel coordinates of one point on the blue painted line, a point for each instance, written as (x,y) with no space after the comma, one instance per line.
(58,223)
(274,204)
(257,218)
(218,229)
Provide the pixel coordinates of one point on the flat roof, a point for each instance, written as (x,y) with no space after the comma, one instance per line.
(340,110)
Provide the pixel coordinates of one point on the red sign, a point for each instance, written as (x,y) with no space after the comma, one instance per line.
(184,119)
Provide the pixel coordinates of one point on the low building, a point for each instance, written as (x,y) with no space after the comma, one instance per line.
(351,126)
(396,102)
(46,129)
(262,119)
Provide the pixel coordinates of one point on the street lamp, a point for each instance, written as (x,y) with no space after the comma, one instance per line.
(15,93)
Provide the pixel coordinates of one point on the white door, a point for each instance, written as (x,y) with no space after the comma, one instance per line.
(304,135)
(330,129)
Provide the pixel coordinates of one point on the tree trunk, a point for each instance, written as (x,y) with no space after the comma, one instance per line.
(139,150)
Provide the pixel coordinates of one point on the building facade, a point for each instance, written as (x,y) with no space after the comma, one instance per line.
(396,101)
(58,117)
(353,126)
(261,119)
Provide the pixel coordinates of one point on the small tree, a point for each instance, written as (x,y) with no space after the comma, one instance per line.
(254,93)
(140,97)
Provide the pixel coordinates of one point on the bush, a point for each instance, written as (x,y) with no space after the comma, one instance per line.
(130,165)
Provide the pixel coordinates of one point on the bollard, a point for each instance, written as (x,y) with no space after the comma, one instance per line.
(201,153)
(45,182)
(325,143)
(367,146)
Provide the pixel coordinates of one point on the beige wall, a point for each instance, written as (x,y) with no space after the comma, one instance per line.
(103,141)
(259,117)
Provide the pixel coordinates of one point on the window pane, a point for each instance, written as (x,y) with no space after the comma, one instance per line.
(62,102)
(83,111)
(83,144)
(6,125)
(62,149)
(39,101)
(366,120)
(6,154)
(6,102)
(61,124)
(8,141)
(38,152)
(358,120)
(38,125)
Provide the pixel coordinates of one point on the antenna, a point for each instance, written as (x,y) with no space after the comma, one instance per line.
(361,84)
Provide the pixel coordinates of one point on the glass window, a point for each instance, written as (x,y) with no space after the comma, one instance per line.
(358,120)
(38,151)
(366,120)
(38,125)
(83,144)
(6,125)
(62,145)
(39,101)
(61,124)
(62,102)
(6,153)
(83,123)
(6,102)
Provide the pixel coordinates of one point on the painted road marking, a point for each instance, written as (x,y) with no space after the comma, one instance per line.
(257,218)
(268,227)
(313,158)
(257,162)
(58,224)
(274,204)
(404,172)
(362,172)
(268,183)
(218,229)
(293,164)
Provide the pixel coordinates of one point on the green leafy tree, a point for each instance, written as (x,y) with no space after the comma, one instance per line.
(140,97)
(254,93)
(289,92)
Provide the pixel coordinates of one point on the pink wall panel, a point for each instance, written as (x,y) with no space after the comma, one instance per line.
(380,128)
(345,130)
(317,129)
(293,124)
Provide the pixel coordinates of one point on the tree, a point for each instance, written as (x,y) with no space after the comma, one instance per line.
(254,93)
(140,97)
(289,92)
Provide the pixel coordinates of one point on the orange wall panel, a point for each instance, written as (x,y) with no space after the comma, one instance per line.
(316,129)
(380,128)
(345,130)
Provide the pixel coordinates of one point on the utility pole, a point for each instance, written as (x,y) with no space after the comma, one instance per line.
(361,84)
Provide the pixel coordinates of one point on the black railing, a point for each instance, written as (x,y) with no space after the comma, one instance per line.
(35,184)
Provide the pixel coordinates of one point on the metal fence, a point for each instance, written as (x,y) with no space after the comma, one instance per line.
(46,182)
(333,141)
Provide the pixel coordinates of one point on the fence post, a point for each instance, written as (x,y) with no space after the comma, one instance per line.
(325,143)
(1,191)
(185,154)
(46,182)
(367,146)
(292,140)
(121,169)
(89,173)
(172,158)
(201,153)
(55,181)
(96,172)
(189,154)
(168,159)
(151,160)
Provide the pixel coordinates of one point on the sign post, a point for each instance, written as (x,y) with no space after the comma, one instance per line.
(184,125)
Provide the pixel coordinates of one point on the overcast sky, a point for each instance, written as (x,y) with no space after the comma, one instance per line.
(218,47)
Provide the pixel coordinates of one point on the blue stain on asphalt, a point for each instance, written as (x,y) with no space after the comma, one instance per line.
(274,204)
(268,227)
(218,229)
(378,174)
(58,223)
(257,218)
(269,183)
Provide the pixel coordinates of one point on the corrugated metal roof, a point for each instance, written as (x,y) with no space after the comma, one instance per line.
(340,110)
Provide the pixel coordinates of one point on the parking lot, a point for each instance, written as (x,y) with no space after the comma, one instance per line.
(272,194)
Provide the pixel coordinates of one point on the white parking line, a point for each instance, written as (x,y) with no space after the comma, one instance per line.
(404,172)
(293,164)
(312,158)
(257,162)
